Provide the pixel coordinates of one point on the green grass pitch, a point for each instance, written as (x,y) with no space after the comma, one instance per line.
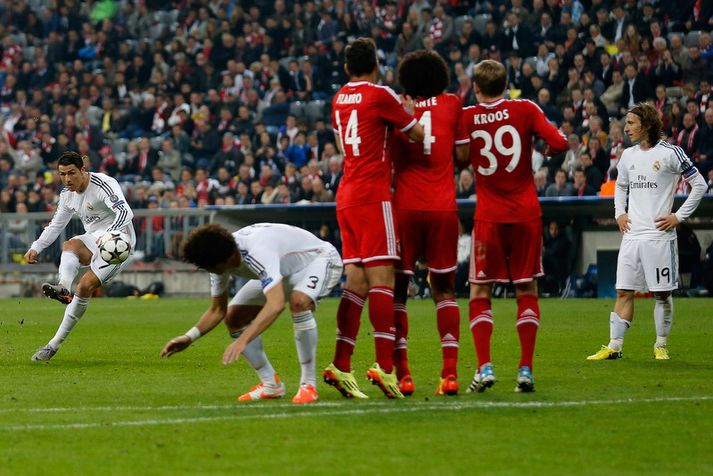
(107,404)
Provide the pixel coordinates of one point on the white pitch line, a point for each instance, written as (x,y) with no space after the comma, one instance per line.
(366,408)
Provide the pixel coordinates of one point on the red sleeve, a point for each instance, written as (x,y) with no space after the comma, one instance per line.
(392,110)
(462,133)
(554,138)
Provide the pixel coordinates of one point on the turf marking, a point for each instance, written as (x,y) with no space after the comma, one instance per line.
(335,409)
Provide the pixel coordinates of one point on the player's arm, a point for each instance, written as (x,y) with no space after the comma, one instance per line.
(556,141)
(462,142)
(620,193)
(392,110)
(212,316)
(698,189)
(274,305)
(51,232)
(117,202)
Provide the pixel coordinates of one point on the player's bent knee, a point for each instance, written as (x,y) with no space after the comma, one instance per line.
(300,302)
(662,295)
(239,316)
(87,285)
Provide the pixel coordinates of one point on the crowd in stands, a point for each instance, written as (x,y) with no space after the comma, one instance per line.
(192,103)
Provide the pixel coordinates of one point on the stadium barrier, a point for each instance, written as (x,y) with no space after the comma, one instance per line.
(160,231)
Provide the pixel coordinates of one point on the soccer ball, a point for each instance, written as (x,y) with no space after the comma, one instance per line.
(114,247)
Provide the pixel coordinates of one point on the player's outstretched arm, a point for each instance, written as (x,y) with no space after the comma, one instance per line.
(210,318)
(275,304)
(31,256)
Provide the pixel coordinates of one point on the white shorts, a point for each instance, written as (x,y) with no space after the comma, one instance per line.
(103,270)
(647,265)
(316,281)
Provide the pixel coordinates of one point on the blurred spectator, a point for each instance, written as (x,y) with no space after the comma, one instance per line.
(560,187)
(465,188)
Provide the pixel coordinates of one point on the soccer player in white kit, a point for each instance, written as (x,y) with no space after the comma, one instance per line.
(648,258)
(98,201)
(284,264)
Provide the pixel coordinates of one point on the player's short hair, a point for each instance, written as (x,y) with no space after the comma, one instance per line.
(423,74)
(360,56)
(208,245)
(490,77)
(650,121)
(71,158)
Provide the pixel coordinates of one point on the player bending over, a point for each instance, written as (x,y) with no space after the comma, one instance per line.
(507,233)
(363,116)
(426,211)
(284,264)
(648,173)
(99,203)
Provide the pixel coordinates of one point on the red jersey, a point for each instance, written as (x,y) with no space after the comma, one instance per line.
(424,171)
(363,114)
(501,155)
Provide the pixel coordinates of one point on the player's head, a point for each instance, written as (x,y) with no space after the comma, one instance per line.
(490,79)
(643,124)
(72,171)
(361,58)
(209,247)
(423,74)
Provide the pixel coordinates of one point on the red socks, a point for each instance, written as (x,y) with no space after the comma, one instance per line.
(348,319)
(481,325)
(528,320)
(448,318)
(381,315)
(401,348)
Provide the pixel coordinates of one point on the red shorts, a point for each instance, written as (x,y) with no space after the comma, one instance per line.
(432,235)
(504,252)
(368,233)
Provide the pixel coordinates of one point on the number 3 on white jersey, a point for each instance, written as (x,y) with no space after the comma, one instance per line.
(351,136)
(514,151)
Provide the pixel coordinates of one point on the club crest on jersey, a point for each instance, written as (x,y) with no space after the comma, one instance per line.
(657,165)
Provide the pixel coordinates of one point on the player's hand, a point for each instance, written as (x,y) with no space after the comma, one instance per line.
(177,344)
(233,352)
(624,223)
(409,104)
(667,222)
(31,256)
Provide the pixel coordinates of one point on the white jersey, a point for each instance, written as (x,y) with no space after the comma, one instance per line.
(269,252)
(101,208)
(650,178)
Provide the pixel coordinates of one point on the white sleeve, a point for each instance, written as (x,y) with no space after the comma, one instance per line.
(219,284)
(117,202)
(622,188)
(59,221)
(265,264)
(698,189)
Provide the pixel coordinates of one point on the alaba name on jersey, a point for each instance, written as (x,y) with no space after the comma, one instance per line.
(101,208)
(270,251)
(424,170)
(501,154)
(651,177)
(363,115)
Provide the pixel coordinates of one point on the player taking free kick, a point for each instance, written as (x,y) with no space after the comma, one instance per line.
(507,233)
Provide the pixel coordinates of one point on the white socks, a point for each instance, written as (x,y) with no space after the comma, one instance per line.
(306,342)
(663,318)
(617,329)
(255,355)
(68,269)
(72,314)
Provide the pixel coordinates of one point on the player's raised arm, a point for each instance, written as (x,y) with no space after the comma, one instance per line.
(52,230)
(556,141)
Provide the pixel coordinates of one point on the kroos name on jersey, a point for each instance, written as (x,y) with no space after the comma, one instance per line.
(491,117)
